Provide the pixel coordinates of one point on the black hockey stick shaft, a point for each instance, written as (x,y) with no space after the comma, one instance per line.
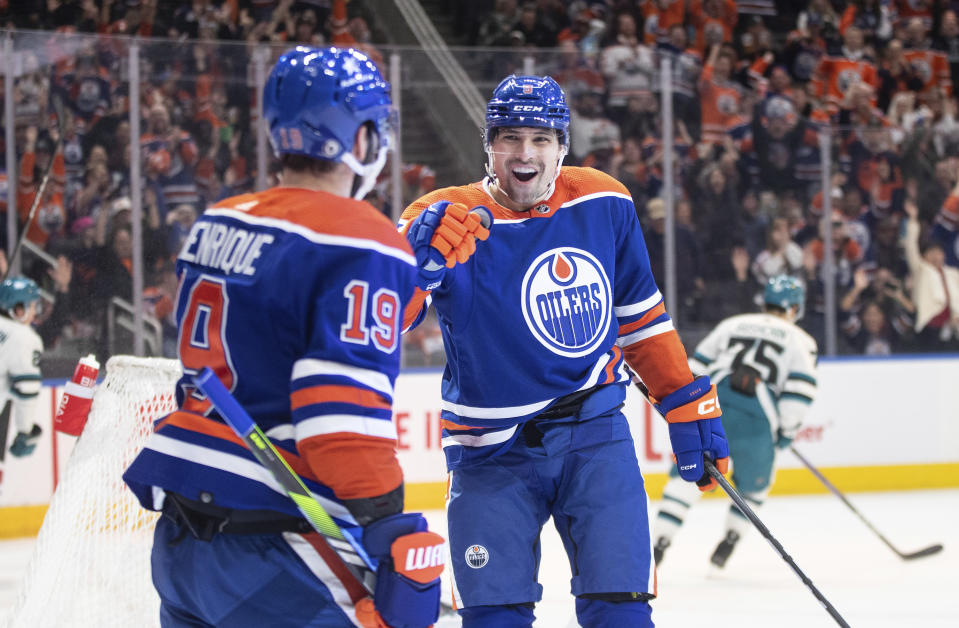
(58,106)
(928,551)
(740,502)
(759,525)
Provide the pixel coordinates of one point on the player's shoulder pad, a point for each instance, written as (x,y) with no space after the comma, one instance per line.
(580,182)
(468,195)
(23,337)
(321,213)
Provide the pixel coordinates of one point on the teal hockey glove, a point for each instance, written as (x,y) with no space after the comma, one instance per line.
(25,442)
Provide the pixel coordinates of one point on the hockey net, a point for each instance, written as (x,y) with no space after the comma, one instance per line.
(91,562)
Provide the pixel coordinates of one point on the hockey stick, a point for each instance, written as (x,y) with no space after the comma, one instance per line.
(927,551)
(346,547)
(58,106)
(740,502)
(757,522)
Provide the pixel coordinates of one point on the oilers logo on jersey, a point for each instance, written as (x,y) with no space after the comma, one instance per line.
(567,301)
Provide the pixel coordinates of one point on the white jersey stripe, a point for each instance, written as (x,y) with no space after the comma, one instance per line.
(313,236)
(638,308)
(308,367)
(473,440)
(646,332)
(505,412)
(315,563)
(223,461)
(355,424)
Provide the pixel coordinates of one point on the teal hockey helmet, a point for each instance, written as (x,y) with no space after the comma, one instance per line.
(18,290)
(785,291)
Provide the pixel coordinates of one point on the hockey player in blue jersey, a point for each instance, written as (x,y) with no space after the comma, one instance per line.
(539,325)
(294,297)
(765,368)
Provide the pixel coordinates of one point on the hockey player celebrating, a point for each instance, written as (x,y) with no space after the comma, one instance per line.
(539,324)
(20,350)
(293,296)
(765,366)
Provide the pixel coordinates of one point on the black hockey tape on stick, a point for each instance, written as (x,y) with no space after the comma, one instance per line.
(4,428)
(926,551)
(744,508)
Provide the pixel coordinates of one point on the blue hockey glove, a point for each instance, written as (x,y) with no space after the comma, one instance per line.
(695,431)
(25,442)
(411,559)
(443,235)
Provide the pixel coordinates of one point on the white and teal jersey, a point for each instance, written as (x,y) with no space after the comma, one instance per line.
(20,381)
(783,355)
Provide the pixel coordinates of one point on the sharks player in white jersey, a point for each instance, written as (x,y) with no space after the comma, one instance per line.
(20,349)
(765,369)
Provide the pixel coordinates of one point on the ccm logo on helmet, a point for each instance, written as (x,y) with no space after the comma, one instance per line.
(530,108)
(707,405)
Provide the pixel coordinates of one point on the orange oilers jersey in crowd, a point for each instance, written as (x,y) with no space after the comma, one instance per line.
(558,299)
(720,103)
(50,217)
(835,75)
(932,66)
(657,19)
(295,298)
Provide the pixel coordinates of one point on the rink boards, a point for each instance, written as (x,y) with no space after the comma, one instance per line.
(877,425)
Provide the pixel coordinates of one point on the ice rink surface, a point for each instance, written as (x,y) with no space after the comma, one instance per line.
(869,585)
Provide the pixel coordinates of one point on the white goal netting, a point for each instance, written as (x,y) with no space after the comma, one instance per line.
(91,563)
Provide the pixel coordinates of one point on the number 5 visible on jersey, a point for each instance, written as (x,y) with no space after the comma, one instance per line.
(202,341)
(384,310)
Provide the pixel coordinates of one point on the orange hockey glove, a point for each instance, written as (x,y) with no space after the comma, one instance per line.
(443,235)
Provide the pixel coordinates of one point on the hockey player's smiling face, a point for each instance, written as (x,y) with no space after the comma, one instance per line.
(525,161)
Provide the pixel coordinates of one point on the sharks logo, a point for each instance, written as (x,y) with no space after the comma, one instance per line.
(567,301)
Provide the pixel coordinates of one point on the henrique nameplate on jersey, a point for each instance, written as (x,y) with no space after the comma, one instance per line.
(230,250)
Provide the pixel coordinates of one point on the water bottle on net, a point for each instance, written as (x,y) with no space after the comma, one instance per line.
(77,397)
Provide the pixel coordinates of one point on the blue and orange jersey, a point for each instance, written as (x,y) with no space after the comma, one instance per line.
(294,298)
(558,300)
(720,103)
(932,66)
(835,75)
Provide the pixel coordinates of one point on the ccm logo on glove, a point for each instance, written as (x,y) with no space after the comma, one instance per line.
(419,556)
(706,406)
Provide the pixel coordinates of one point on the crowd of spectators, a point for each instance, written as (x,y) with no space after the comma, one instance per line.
(197,142)
(756,84)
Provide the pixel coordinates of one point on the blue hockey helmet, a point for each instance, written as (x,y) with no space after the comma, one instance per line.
(536,101)
(785,291)
(18,290)
(316,99)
